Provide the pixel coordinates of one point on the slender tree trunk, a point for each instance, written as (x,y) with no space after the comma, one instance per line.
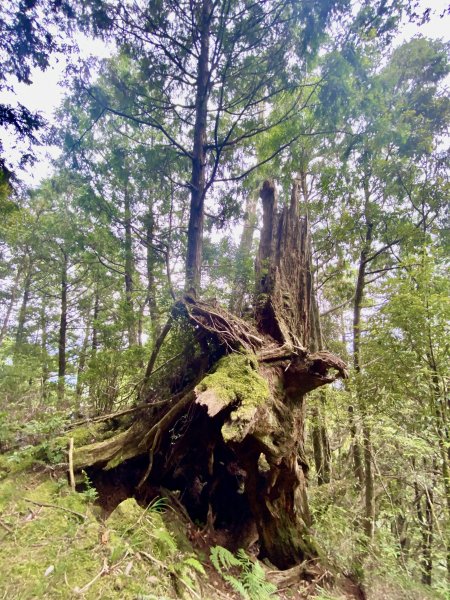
(428,537)
(44,354)
(369,520)
(20,334)
(369,517)
(129,272)
(12,302)
(242,275)
(95,315)
(317,445)
(321,444)
(440,414)
(425,519)
(151,279)
(358,468)
(198,175)
(83,355)
(62,338)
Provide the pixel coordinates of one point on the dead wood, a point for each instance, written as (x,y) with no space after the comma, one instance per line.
(63,508)
(232,442)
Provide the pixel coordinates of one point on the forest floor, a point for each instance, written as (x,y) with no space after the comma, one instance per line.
(59,544)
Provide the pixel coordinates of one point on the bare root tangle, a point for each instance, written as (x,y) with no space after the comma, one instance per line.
(233,332)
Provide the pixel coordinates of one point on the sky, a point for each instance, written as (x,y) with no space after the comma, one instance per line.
(46,93)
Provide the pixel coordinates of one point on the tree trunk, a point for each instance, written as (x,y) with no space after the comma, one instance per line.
(44,353)
(232,441)
(129,273)
(369,517)
(317,445)
(425,519)
(95,315)
(198,178)
(12,301)
(20,333)
(321,443)
(151,280)
(82,358)
(62,338)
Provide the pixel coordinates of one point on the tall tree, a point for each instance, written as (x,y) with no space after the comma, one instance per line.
(227,60)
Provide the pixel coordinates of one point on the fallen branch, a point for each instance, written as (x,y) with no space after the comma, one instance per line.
(48,505)
(113,415)
(105,569)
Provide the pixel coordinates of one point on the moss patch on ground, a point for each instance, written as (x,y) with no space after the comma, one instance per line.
(62,551)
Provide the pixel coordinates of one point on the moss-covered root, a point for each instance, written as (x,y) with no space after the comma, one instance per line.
(235,383)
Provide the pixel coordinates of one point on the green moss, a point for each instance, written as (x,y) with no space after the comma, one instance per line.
(87,434)
(47,552)
(236,382)
(52,451)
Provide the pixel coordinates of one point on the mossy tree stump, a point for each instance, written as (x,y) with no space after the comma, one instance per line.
(232,440)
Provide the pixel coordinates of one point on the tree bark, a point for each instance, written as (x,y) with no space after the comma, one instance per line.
(425,519)
(82,358)
(321,444)
(20,333)
(151,280)
(44,354)
(62,337)
(12,301)
(369,517)
(95,316)
(198,178)
(129,272)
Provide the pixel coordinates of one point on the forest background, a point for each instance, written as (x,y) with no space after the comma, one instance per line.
(164,148)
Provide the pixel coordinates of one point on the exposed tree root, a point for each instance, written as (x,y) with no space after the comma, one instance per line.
(231,443)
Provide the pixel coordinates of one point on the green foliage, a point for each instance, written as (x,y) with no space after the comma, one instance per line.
(89,492)
(248,579)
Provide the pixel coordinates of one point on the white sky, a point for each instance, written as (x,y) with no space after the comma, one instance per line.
(45,94)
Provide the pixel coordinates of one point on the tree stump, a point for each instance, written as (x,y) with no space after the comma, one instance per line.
(232,440)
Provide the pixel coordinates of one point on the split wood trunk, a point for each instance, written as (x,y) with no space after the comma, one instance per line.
(230,437)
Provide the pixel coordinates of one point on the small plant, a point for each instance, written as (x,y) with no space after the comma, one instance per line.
(89,494)
(158,505)
(250,579)
(186,569)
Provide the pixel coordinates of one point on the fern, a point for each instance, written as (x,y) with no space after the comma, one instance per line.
(251,582)
(195,564)
(222,558)
(187,569)
(164,541)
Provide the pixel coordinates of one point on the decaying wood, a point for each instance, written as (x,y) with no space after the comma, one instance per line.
(283,271)
(136,440)
(232,331)
(232,443)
